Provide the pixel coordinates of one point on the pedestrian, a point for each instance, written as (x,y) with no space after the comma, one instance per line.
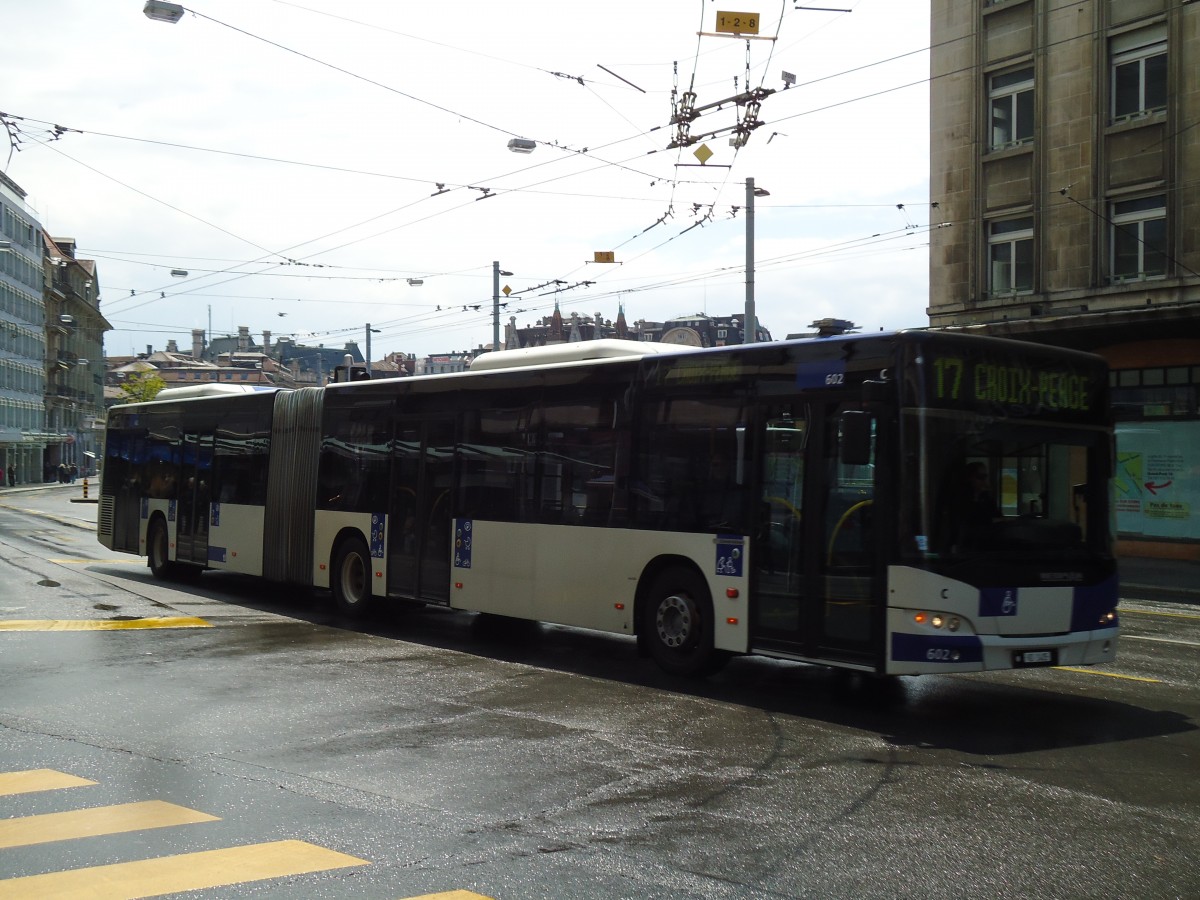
(62,473)
(74,472)
(12,475)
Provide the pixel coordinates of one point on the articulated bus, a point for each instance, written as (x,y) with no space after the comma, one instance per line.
(894,503)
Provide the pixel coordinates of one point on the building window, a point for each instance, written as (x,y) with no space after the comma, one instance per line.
(1011,105)
(1139,72)
(1010,256)
(1138,239)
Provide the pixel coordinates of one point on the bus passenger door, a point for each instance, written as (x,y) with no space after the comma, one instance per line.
(814,561)
(779,541)
(848,609)
(195,495)
(419,542)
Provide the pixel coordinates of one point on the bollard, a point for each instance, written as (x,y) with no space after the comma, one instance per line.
(85,487)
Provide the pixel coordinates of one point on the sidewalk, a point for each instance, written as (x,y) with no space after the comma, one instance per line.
(1160,579)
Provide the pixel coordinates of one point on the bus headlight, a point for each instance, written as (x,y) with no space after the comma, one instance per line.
(1108,618)
(937,620)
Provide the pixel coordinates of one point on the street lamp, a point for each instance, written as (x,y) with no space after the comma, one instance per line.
(162,11)
(750,326)
(496,273)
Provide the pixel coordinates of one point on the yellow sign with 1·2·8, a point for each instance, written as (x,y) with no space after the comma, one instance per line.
(737,22)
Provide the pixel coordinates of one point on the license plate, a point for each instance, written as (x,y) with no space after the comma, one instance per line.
(1022,658)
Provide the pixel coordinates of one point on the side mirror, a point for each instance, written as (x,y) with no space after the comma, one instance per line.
(856,437)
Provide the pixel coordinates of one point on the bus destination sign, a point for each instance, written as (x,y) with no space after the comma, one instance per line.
(1014,384)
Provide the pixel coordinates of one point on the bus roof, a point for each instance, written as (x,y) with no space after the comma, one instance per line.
(578,351)
(208,390)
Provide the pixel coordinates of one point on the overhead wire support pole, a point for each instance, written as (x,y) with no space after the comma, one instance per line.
(496,273)
(748,328)
(495,305)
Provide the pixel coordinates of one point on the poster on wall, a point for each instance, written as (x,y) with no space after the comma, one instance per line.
(1157,483)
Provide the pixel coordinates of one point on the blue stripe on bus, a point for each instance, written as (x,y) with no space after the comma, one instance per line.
(949,649)
(1090,603)
(821,373)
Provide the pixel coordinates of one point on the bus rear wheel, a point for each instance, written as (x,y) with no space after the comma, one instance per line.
(351,581)
(677,624)
(157,550)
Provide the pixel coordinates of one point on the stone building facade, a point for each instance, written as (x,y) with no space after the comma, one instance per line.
(1065,165)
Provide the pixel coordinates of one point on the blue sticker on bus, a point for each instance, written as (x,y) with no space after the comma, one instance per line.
(216,554)
(821,373)
(146,507)
(171,510)
(215,515)
(998,601)
(462,543)
(377,520)
(729,555)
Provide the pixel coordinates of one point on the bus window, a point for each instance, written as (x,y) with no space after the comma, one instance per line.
(576,462)
(496,465)
(686,461)
(353,472)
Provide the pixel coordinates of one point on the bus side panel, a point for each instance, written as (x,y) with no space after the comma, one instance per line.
(327,525)
(588,577)
(235,538)
(989,630)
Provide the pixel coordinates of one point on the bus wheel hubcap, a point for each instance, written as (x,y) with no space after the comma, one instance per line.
(676,620)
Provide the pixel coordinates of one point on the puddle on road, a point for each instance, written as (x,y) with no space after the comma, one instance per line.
(46,582)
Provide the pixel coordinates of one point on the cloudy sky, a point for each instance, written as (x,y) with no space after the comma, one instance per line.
(305,161)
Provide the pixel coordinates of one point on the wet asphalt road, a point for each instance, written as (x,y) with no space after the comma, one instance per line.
(429,752)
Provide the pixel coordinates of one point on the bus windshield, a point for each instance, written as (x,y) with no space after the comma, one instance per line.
(985,487)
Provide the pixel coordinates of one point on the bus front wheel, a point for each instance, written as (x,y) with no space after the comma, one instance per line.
(677,624)
(352,577)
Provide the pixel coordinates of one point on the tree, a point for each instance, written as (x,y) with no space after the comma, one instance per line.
(141,386)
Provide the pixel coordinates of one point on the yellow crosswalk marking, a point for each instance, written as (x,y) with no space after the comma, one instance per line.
(28,830)
(101,624)
(175,874)
(34,780)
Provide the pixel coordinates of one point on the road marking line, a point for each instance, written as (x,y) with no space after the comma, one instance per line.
(1148,612)
(452,895)
(101,624)
(1108,674)
(184,872)
(120,819)
(1158,640)
(33,780)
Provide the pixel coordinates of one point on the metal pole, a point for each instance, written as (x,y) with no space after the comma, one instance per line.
(368,349)
(495,305)
(750,330)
